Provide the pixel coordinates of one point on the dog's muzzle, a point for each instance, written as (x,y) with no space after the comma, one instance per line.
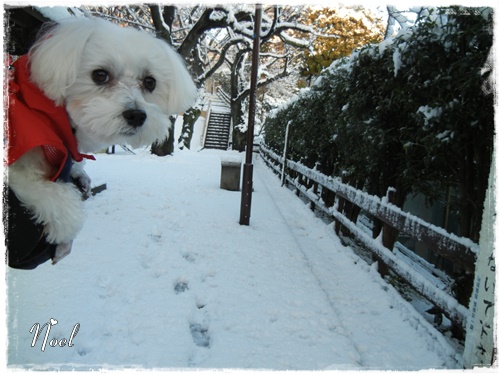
(135,117)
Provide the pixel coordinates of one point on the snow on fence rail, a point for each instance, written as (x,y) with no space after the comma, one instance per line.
(460,250)
(223,96)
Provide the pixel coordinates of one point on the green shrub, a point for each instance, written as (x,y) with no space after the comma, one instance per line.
(411,113)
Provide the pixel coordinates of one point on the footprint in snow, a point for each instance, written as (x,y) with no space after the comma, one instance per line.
(181,287)
(200,334)
(189,257)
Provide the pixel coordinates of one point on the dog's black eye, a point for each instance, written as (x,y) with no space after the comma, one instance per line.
(100,76)
(149,83)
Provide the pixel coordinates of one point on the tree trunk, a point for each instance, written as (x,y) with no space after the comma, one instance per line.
(188,47)
(239,137)
(165,147)
(160,18)
(189,119)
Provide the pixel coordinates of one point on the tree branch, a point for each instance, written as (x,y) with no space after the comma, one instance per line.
(163,29)
(201,79)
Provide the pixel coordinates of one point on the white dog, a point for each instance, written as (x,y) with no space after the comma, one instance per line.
(117,86)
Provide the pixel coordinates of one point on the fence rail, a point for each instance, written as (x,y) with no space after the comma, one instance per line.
(460,250)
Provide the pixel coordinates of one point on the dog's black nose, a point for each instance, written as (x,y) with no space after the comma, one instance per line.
(135,117)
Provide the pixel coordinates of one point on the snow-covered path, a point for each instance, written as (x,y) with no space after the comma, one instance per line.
(163,276)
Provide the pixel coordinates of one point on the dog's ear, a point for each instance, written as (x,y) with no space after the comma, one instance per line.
(55,57)
(182,91)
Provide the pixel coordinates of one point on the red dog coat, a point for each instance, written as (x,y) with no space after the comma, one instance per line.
(35,121)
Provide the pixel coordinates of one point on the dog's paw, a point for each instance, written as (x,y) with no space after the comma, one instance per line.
(62,250)
(81,179)
(62,214)
(57,206)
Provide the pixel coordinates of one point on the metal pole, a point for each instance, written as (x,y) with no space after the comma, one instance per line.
(246,191)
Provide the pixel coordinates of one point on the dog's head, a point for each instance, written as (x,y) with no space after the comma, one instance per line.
(119,85)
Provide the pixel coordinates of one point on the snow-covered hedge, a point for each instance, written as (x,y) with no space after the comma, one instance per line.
(415,113)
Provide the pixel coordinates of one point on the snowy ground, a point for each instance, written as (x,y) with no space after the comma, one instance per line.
(163,276)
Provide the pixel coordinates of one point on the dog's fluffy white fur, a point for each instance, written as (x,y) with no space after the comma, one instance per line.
(119,86)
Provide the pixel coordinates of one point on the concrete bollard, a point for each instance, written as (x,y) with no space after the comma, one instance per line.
(230,176)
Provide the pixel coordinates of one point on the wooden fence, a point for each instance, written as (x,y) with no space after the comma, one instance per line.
(462,251)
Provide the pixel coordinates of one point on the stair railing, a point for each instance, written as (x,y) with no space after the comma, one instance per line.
(230,138)
(204,135)
(223,96)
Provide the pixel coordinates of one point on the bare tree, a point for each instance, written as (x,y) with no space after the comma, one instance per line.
(208,37)
(223,35)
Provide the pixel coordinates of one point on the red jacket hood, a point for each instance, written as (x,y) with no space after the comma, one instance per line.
(35,121)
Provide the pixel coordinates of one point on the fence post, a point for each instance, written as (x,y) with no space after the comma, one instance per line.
(315,191)
(339,207)
(479,347)
(389,236)
(285,152)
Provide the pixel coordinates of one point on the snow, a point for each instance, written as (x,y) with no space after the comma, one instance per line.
(295,41)
(163,277)
(396,57)
(58,13)
(231,160)
(409,271)
(217,16)
(429,113)
(382,46)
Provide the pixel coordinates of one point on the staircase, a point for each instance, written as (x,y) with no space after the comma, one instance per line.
(218,130)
